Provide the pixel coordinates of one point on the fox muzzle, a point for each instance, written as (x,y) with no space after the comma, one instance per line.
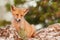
(18,20)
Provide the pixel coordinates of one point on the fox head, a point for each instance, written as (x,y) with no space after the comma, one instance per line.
(17,13)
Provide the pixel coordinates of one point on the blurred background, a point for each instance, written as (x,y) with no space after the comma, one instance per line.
(41,12)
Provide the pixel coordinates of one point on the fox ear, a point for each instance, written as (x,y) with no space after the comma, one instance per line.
(26,11)
(13,8)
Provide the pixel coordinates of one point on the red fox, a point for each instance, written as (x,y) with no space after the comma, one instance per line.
(20,22)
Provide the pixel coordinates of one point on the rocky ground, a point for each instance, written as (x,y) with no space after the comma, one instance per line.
(52,32)
(8,33)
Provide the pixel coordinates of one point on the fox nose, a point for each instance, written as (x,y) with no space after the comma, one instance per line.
(18,20)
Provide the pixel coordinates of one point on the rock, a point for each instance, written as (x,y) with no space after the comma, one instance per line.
(52,32)
(8,33)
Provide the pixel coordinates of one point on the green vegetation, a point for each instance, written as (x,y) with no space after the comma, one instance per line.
(45,9)
(8,6)
(17,2)
(4,23)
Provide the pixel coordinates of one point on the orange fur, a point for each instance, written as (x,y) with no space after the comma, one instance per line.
(19,14)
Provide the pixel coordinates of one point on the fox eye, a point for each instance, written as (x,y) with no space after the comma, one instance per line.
(17,14)
(21,15)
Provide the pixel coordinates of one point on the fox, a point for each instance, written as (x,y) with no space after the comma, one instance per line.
(20,22)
